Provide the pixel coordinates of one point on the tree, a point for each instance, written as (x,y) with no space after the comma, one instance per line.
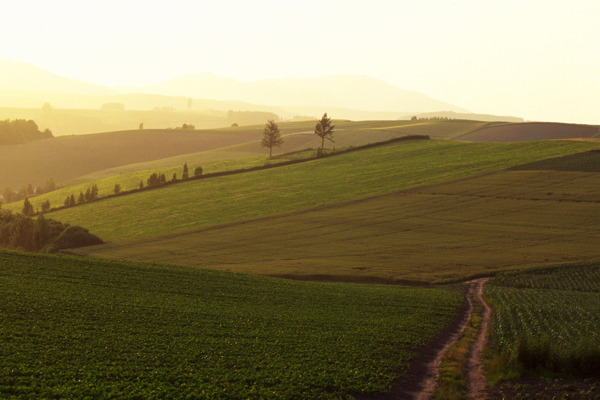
(271,136)
(46,206)
(72,200)
(198,171)
(27,208)
(81,199)
(141,185)
(186,173)
(324,130)
(174,176)
(41,232)
(117,188)
(94,192)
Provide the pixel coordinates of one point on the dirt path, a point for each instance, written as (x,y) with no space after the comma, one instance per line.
(476,380)
(433,370)
(421,380)
(477,388)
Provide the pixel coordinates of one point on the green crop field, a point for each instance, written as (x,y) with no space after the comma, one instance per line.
(83,328)
(249,153)
(548,318)
(436,233)
(345,177)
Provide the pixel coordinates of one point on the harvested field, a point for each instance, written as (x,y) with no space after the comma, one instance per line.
(438,233)
(520,132)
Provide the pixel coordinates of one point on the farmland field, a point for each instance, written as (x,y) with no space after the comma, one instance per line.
(345,177)
(548,318)
(68,159)
(437,233)
(83,328)
(517,132)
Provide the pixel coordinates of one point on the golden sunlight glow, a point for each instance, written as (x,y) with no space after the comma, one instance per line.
(536,59)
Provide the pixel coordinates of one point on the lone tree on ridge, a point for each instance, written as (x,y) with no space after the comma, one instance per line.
(271,136)
(324,130)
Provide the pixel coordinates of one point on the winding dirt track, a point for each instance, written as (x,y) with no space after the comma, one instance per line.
(477,388)
(476,381)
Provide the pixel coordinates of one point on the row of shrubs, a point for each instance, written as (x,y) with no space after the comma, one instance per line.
(20,232)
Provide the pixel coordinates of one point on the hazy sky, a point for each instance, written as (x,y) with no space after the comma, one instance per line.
(535,59)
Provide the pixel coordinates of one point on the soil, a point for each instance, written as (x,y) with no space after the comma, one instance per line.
(477,387)
(421,379)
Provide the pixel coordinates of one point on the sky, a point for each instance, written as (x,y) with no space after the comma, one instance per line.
(538,59)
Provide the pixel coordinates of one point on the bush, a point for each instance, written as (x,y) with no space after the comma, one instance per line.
(73,237)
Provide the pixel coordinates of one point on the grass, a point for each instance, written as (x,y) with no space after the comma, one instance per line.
(588,161)
(517,132)
(546,320)
(235,148)
(81,158)
(452,382)
(368,172)
(131,180)
(428,234)
(83,328)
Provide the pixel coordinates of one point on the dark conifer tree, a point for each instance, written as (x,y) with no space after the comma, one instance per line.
(27,208)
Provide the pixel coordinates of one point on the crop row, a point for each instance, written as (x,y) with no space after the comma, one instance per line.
(77,328)
(584,277)
(540,324)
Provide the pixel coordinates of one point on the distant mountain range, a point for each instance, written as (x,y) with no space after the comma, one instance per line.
(353,92)
(343,97)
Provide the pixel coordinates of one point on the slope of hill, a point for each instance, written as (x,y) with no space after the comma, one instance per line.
(96,329)
(357,92)
(63,122)
(470,116)
(439,233)
(353,97)
(348,176)
(67,157)
(501,133)
(19,78)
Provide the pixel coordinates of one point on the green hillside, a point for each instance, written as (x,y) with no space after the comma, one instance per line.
(80,159)
(345,177)
(83,328)
(429,234)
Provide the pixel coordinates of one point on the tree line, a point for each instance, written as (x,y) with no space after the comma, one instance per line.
(29,190)
(90,194)
(21,131)
(20,232)
(271,138)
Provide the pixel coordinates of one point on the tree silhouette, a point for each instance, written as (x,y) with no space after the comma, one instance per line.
(27,208)
(324,130)
(271,136)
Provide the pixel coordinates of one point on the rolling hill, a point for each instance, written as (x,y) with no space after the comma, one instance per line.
(429,234)
(501,133)
(354,92)
(69,159)
(345,177)
(82,328)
